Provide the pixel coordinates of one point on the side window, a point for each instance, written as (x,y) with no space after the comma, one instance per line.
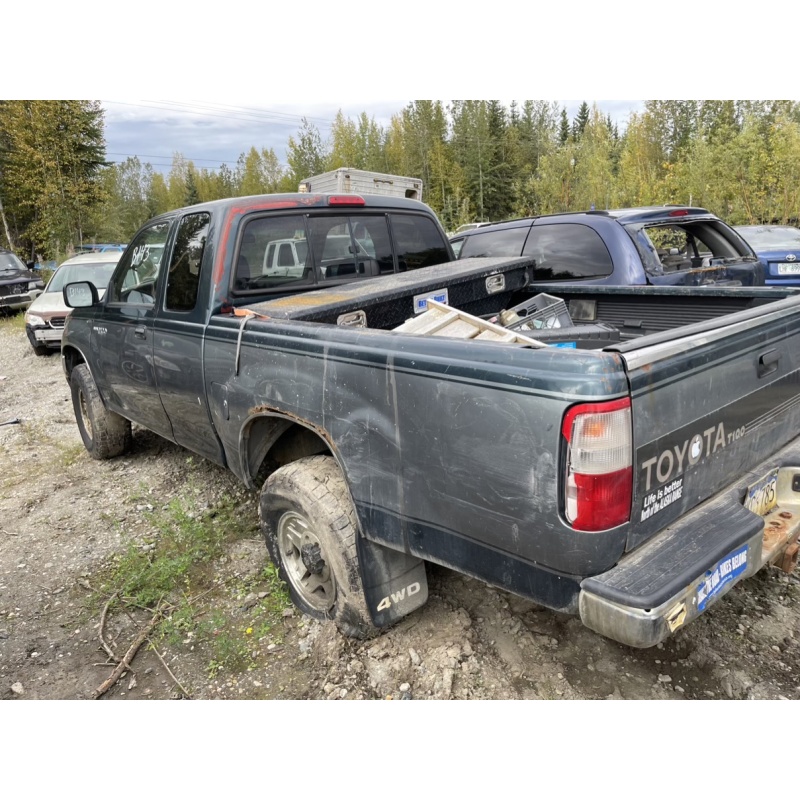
(506,242)
(183,281)
(273,253)
(135,279)
(417,241)
(568,251)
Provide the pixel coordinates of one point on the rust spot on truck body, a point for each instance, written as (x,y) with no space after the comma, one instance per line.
(256,411)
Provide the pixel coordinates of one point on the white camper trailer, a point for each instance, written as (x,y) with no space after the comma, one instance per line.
(360,181)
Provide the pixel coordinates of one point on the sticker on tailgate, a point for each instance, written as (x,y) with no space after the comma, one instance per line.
(720,575)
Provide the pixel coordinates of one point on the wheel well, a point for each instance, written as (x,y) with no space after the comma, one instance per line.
(272,442)
(71,359)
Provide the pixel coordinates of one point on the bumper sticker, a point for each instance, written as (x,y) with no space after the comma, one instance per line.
(719,576)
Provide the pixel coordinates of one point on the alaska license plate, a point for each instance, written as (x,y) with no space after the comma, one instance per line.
(789,269)
(762,496)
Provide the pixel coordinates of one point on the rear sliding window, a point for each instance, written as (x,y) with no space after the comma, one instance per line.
(506,242)
(304,250)
(567,251)
(418,242)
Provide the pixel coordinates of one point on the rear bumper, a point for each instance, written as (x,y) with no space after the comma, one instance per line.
(686,568)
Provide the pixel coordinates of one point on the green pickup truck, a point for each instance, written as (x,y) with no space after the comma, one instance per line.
(628,458)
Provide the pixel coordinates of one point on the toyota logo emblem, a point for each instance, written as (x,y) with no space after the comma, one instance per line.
(791,257)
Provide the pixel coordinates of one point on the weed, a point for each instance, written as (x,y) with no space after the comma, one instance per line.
(71,453)
(13,322)
(185,541)
(231,647)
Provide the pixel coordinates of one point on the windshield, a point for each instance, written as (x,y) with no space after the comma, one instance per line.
(771,238)
(97,273)
(10,263)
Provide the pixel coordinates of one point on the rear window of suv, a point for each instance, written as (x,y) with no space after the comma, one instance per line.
(675,246)
(567,251)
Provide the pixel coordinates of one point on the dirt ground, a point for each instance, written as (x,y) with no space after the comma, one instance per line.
(66,521)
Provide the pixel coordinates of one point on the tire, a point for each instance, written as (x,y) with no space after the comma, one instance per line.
(309,525)
(104,433)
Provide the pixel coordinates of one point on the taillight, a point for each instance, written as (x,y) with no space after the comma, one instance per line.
(599,475)
(681,212)
(346,200)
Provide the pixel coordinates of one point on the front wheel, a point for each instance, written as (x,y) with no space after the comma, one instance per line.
(104,433)
(309,525)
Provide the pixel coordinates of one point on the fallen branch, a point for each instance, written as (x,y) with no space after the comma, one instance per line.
(177,682)
(125,664)
(108,650)
(8,533)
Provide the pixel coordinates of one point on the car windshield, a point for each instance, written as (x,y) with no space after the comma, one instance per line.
(10,263)
(97,273)
(771,238)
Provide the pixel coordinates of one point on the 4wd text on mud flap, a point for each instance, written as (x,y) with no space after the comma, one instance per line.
(670,463)
(396,597)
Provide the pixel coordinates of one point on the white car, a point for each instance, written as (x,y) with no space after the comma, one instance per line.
(46,315)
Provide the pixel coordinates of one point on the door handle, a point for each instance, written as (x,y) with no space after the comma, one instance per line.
(768,363)
(139,332)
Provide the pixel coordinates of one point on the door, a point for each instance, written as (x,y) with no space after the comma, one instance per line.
(178,340)
(123,337)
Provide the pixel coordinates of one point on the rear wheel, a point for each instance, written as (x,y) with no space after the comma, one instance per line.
(104,433)
(309,525)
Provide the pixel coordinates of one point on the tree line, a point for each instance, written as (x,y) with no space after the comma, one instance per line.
(478,159)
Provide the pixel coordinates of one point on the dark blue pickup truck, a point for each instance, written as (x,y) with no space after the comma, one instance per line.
(632,480)
(659,245)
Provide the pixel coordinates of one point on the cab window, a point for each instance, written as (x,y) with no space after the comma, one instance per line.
(183,280)
(135,279)
(418,242)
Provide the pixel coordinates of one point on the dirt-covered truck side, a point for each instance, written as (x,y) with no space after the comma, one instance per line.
(632,474)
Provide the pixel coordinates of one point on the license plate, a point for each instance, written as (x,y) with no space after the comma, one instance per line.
(788,269)
(725,571)
(762,496)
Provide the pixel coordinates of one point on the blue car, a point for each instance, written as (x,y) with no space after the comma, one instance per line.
(778,247)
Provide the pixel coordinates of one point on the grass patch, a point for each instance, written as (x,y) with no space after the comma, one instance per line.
(13,321)
(174,562)
(180,564)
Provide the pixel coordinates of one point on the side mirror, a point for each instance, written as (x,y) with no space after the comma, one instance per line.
(81,294)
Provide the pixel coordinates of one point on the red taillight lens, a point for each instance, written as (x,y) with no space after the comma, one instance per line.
(681,212)
(345,200)
(599,475)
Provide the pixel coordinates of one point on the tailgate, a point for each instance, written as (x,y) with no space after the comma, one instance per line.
(709,405)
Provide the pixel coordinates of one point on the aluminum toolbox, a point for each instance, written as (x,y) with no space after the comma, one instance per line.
(475,285)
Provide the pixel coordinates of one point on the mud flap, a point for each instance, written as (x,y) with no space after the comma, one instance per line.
(394,583)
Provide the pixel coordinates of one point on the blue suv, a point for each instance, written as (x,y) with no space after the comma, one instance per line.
(662,245)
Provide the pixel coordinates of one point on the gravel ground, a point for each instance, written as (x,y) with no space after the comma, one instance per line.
(65,518)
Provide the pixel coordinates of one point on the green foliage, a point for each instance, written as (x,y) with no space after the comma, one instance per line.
(51,155)
(478,160)
(174,562)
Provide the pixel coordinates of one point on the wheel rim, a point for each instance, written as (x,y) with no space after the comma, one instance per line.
(304,561)
(85,418)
